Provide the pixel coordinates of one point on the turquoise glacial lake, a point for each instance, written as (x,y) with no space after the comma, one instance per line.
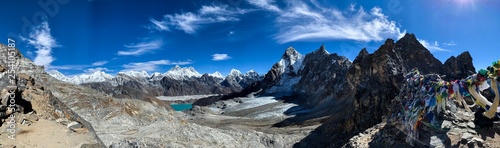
(181,107)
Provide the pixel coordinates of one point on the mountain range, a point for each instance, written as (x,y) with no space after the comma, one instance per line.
(346,97)
(177,81)
(343,97)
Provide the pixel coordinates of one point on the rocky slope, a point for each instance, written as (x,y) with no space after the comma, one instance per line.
(446,123)
(375,80)
(347,97)
(36,107)
(112,122)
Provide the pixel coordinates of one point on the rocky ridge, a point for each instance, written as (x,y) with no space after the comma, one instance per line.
(327,86)
(175,82)
(112,122)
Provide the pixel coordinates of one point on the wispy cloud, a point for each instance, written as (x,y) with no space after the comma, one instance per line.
(159,25)
(99,63)
(452,43)
(78,67)
(152,65)
(432,46)
(220,57)
(190,22)
(265,4)
(321,23)
(97,69)
(142,48)
(43,41)
(69,67)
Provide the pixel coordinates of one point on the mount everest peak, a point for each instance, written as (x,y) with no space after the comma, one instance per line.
(178,72)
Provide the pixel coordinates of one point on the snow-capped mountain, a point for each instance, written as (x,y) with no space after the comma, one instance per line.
(284,73)
(290,62)
(180,73)
(97,76)
(217,74)
(138,74)
(235,74)
(58,75)
(252,74)
(176,73)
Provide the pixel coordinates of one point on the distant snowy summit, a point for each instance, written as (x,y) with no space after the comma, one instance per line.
(176,73)
(97,76)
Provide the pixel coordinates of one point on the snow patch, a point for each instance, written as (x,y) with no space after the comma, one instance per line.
(251,103)
(285,85)
(278,111)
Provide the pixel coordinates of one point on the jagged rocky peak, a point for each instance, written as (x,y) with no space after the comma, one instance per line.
(321,51)
(410,42)
(290,61)
(363,52)
(408,38)
(290,53)
(458,67)
(217,74)
(251,73)
(234,73)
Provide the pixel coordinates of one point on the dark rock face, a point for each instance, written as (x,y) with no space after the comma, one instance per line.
(459,67)
(322,78)
(352,96)
(283,68)
(376,79)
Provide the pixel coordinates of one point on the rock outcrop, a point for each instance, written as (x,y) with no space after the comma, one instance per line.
(33,100)
(375,80)
(458,67)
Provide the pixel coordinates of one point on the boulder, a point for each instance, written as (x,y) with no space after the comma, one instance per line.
(74,125)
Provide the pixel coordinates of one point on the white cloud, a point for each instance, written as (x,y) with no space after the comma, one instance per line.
(43,41)
(221,10)
(77,67)
(190,22)
(159,25)
(220,57)
(330,23)
(434,46)
(68,67)
(352,7)
(99,63)
(265,4)
(452,43)
(152,65)
(97,69)
(141,48)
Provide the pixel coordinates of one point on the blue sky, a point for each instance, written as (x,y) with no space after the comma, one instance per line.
(82,36)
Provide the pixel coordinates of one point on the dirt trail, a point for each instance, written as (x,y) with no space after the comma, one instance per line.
(44,133)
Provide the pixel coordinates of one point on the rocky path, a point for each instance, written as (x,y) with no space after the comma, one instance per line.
(45,133)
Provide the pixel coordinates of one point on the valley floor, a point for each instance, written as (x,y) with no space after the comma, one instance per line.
(259,114)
